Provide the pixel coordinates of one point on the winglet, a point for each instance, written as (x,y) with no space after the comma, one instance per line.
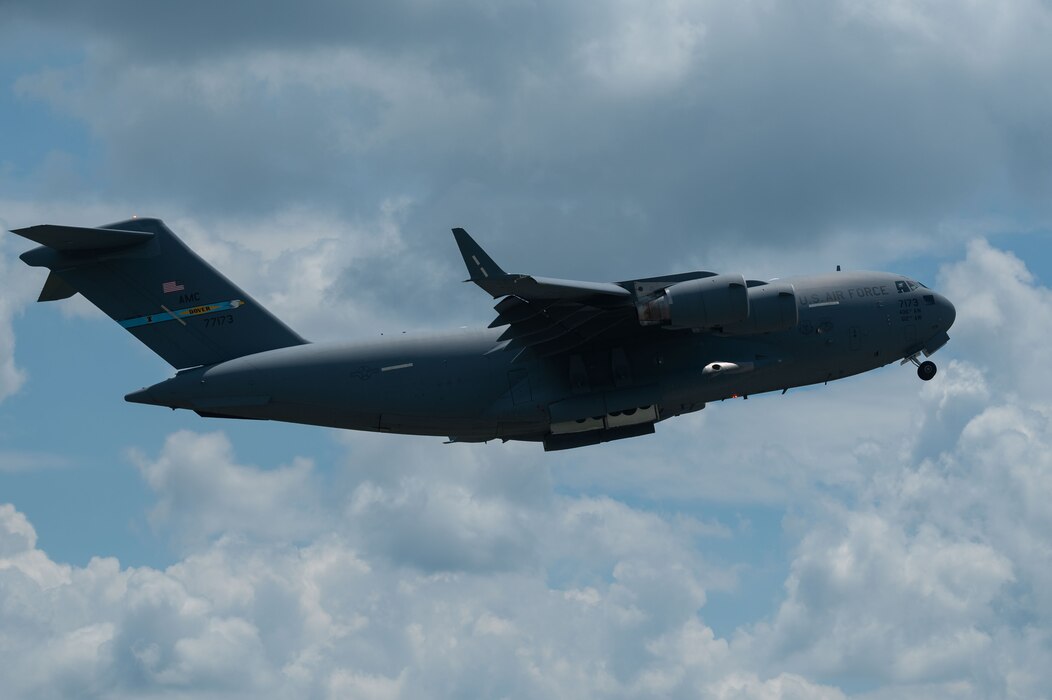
(480,266)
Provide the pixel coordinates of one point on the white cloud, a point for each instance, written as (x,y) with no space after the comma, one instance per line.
(937,568)
(458,576)
(770,449)
(785,686)
(203,492)
(18,535)
(329,278)
(18,291)
(1002,318)
(870,598)
(319,619)
(919,566)
(939,562)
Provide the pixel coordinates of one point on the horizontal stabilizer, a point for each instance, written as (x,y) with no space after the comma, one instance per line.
(81,238)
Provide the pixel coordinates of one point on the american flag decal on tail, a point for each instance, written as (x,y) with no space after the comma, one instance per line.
(169,287)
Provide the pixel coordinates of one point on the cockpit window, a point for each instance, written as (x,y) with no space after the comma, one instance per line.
(906,286)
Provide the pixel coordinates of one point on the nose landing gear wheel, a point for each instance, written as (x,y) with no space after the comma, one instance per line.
(926,370)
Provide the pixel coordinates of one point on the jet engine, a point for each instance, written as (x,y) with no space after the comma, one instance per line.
(709,302)
(772,307)
(725,304)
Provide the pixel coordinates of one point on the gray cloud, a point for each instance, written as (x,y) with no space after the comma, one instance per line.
(610,129)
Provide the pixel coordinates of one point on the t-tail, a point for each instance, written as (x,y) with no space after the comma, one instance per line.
(146,279)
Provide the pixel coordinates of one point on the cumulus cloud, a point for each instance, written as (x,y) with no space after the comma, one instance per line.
(1003,317)
(203,492)
(324,618)
(920,571)
(338,279)
(776,450)
(932,574)
(19,535)
(939,564)
(18,291)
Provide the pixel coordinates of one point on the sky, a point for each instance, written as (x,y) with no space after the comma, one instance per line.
(875,538)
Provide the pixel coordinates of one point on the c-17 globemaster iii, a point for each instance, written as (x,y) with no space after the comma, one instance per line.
(564,363)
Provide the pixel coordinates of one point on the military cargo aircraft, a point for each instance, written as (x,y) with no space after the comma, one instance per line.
(564,363)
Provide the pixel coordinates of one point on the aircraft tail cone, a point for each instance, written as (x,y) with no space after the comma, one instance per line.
(142,396)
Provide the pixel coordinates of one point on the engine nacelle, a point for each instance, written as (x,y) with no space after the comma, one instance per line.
(772,307)
(709,302)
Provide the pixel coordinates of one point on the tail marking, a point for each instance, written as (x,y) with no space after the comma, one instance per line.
(166,314)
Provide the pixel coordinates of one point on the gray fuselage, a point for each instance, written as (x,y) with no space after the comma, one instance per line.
(467,386)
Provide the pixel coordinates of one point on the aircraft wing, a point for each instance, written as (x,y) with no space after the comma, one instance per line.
(488,275)
(549,316)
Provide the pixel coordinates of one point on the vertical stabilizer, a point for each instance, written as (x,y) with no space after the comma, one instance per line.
(147,280)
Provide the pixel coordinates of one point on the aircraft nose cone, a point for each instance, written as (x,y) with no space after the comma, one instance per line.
(947,312)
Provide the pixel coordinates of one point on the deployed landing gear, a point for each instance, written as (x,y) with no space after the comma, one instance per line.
(926,370)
